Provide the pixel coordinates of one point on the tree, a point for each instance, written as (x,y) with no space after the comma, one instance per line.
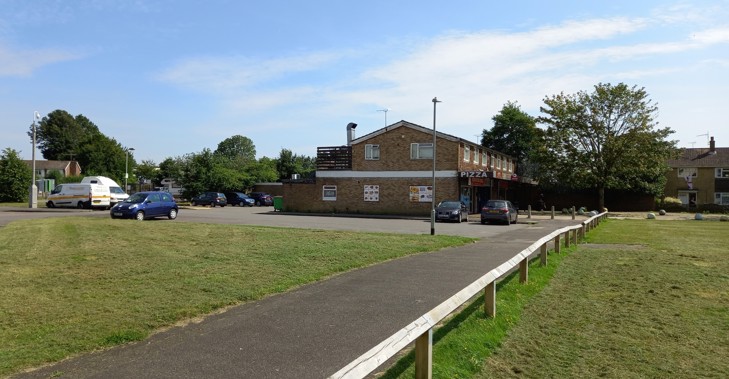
(148,170)
(237,149)
(60,135)
(105,156)
(515,133)
(289,163)
(605,140)
(15,177)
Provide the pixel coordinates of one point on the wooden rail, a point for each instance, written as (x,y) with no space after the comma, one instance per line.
(420,331)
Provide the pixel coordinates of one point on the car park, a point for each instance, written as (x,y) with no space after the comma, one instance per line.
(212,199)
(261,198)
(146,205)
(451,210)
(239,198)
(499,210)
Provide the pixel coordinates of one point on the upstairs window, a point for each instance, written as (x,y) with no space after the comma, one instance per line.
(722,173)
(686,172)
(484,161)
(372,152)
(466,153)
(421,151)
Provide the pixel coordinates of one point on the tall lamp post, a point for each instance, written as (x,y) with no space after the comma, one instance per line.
(432,199)
(126,170)
(33,198)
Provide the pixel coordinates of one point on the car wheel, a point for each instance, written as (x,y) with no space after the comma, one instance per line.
(140,216)
(50,205)
(173,214)
(242,203)
(258,203)
(483,222)
(212,204)
(194,203)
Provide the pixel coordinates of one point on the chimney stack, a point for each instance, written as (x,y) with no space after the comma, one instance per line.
(712,146)
(350,133)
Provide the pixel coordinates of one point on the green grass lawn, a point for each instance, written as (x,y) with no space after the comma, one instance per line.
(75,284)
(643,299)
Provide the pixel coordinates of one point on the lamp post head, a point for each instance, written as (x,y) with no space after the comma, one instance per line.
(435,100)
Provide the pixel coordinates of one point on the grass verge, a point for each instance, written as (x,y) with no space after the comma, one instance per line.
(74,284)
(644,298)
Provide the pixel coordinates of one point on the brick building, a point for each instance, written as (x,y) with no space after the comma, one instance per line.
(700,177)
(390,171)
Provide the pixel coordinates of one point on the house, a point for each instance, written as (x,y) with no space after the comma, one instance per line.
(391,171)
(44,168)
(700,177)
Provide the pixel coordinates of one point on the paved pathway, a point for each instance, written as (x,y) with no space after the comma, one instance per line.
(310,332)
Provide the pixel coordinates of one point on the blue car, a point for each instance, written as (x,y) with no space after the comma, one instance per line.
(144,205)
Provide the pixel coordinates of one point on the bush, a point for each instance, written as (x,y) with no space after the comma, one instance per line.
(672,204)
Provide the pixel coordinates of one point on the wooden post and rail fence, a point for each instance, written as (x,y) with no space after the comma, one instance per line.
(420,331)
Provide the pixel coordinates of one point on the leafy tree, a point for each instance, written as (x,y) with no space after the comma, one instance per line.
(289,163)
(237,149)
(148,170)
(263,171)
(605,140)
(105,156)
(60,135)
(515,133)
(15,177)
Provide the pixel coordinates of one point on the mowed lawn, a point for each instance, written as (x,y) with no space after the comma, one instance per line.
(643,299)
(75,284)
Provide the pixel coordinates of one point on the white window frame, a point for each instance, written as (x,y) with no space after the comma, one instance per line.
(466,153)
(372,152)
(417,150)
(329,193)
(484,159)
(498,162)
(721,173)
(684,172)
(721,198)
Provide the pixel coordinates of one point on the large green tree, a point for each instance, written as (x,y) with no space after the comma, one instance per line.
(105,156)
(237,149)
(15,177)
(289,163)
(605,139)
(515,133)
(60,135)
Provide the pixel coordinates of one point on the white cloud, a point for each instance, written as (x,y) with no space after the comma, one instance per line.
(25,62)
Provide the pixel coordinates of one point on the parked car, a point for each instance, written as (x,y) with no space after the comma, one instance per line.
(239,198)
(261,198)
(212,199)
(499,210)
(144,205)
(451,210)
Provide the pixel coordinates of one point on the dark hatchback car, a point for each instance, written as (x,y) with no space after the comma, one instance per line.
(451,210)
(261,198)
(212,199)
(239,198)
(499,210)
(144,205)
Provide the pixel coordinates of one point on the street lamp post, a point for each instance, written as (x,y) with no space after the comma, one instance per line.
(432,199)
(126,170)
(33,196)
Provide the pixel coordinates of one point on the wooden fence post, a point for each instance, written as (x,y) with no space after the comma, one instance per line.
(552,212)
(524,270)
(573,212)
(424,355)
(529,211)
(489,303)
(574,236)
(567,239)
(557,243)
(543,254)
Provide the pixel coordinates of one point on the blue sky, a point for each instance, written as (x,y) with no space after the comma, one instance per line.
(174,77)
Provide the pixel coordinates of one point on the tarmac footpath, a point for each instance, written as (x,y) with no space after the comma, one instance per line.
(312,331)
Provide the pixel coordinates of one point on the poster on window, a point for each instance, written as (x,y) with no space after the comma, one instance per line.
(371,192)
(421,194)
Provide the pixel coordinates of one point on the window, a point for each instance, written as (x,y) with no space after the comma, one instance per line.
(687,172)
(722,172)
(421,151)
(721,198)
(492,161)
(372,152)
(498,162)
(466,153)
(484,161)
(329,193)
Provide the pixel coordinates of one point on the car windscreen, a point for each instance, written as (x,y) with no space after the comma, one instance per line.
(136,198)
(449,204)
(496,204)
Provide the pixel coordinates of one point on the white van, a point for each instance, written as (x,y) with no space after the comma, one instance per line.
(79,195)
(117,193)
